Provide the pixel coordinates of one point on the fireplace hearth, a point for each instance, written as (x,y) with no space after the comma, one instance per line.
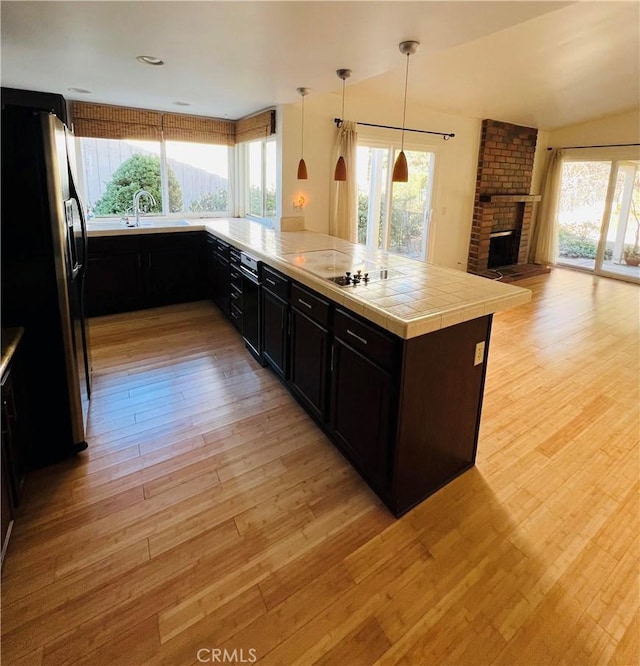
(503,207)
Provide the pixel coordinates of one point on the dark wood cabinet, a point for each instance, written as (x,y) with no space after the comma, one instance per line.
(174,269)
(362,411)
(309,366)
(15,435)
(144,270)
(236,286)
(275,321)
(211,264)
(6,506)
(221,293)
(114,280)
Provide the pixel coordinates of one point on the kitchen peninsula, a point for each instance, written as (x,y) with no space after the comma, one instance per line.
(387,354)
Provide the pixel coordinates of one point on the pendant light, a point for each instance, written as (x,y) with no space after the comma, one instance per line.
(302,167)
(341,166)
(400,169)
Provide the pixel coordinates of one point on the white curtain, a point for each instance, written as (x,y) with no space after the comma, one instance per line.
(544,240)
(343,220)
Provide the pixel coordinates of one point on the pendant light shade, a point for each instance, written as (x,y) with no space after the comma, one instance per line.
(341,166)
(400,169)
(302,167)
(341,169)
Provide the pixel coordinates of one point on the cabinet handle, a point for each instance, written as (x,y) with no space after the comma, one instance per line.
(139,262)
(332,350)
(306,305)
(270,281)
(356,336)
(149,264)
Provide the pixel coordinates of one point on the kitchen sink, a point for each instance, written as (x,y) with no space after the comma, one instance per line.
(165,223)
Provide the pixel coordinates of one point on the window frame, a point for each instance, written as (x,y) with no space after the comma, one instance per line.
(393,144)
(164,185)
(245,181)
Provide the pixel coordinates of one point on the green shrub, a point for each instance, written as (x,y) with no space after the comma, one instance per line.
(139,172)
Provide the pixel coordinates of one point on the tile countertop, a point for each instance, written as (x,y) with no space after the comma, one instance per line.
(417,298)
(10,339)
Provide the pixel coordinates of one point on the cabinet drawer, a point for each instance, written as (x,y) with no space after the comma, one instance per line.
(277,284)
(373,343)
(235,277)
(236,316)
(236,296)
(308,303)
(223,249)
(234,256)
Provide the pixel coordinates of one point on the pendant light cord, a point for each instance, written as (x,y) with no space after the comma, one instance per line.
(343,85)
(302,134)
(404,108)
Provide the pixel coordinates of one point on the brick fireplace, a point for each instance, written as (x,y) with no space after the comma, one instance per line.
(503,204)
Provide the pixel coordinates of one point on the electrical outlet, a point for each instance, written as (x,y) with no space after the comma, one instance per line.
(478,358)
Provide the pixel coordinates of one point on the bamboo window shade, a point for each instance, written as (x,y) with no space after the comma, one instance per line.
(103,121)
(255,127)
(178,127)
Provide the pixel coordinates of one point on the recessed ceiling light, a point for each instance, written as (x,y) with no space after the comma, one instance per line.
(150,60)
(182,103)
(83,91)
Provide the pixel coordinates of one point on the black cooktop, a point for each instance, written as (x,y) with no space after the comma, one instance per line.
(353,279)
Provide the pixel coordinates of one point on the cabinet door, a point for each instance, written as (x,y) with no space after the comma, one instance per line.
(275,335)
(113,282)
(211,269)
(13,440)
(6,507)
(222,291)
(361,411)
(173,273)
(309,346)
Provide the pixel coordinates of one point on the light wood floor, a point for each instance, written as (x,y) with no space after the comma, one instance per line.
(210,512)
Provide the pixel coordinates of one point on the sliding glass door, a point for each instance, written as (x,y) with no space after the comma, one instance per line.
(599,217)
(394,216)
(619,250)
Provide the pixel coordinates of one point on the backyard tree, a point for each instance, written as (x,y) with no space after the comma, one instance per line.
(211,201)
(139,172)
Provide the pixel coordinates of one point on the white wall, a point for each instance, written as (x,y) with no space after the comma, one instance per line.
(622,128)
(456,163)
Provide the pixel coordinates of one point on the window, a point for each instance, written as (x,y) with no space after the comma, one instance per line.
(188,163)
(394,216)
(185,178)
(113,170)
(201,172)
(599,216)
(260,159)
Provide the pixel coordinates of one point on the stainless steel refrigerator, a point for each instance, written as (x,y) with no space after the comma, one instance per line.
(44,259)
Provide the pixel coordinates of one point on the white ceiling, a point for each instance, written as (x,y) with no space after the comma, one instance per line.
(544,64)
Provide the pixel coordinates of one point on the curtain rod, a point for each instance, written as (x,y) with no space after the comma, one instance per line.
(606,145)
(445,135)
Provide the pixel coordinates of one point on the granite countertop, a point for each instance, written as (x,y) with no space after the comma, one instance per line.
(10,340)
(417,298)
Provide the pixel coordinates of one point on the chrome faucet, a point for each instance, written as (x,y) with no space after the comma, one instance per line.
(136,203)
